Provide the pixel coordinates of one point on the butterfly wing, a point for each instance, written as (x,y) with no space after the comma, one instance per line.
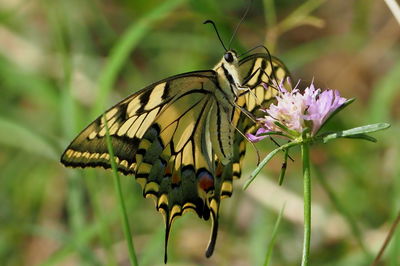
(161,135)
(128,121)
(254,71)
(258,69)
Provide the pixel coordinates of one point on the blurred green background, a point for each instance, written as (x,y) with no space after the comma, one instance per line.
(63,62)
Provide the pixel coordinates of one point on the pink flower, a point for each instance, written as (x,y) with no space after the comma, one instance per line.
(295,111)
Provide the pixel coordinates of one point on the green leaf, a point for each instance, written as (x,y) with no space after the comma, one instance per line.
(267,159)
(357,132)
(363,137)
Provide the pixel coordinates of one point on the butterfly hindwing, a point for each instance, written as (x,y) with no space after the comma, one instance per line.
(254,70)
(261,74)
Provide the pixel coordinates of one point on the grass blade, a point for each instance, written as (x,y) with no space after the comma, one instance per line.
(273,237)
(387,240)
(118,189)
(125,45)
(384,96)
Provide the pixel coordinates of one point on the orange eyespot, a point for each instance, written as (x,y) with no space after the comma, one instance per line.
(206,181)
(175,179)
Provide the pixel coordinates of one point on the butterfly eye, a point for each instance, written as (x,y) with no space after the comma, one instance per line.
(228,57)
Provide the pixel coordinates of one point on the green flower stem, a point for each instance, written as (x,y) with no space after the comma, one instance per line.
(117,185)
(307,203)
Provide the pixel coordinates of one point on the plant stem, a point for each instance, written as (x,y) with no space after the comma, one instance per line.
(125,221)
(307,203)
(387,240)
(121,201)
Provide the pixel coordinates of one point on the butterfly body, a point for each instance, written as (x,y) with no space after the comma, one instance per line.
(180,137)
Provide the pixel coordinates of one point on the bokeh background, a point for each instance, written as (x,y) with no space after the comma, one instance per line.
(63,62)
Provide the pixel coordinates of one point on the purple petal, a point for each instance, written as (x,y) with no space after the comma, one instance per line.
(254,138)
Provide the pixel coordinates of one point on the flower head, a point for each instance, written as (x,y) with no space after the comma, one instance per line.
(295,112)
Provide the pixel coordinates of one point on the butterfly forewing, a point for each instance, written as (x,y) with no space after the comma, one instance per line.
(128,122)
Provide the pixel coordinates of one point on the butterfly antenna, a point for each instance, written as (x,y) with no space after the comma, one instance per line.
(216,31)
(250,50)
(270,61)
(240,22)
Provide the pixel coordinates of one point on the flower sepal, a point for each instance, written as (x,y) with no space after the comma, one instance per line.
(306,134)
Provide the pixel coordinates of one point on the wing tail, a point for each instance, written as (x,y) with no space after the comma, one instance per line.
(214,207)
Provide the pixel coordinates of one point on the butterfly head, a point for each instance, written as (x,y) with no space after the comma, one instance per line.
(228,75)
(230,57)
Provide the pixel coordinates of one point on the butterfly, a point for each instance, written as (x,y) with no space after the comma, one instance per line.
(183,137)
